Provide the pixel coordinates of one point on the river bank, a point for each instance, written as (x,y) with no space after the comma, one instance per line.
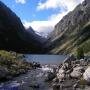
(18,74)
(45,78)
(13,65)
(32,80)
(48,77)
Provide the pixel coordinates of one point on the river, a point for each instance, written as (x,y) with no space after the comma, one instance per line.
(35,76)
(23,82)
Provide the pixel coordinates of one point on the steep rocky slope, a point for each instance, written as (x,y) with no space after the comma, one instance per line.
(13,35)
(36,36)
(72,31)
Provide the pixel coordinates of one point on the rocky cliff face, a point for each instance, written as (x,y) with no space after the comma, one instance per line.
(73,30)
(13,35)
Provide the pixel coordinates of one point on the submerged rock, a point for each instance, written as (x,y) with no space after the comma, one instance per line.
(49,76)
(35,85)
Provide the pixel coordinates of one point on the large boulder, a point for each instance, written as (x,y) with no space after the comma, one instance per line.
(86,74)
(77,72)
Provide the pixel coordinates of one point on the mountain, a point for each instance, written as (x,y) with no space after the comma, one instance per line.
(13,35)
(72,31)
(36,36)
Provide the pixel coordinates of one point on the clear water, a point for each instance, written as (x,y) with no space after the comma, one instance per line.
(46,59)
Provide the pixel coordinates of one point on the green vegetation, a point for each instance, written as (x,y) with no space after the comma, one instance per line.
(86,46)
(69,41)
(80,53)
(13,64)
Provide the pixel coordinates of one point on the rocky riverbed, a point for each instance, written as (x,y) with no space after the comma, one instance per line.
(33,80)
(71,74)
(44,78)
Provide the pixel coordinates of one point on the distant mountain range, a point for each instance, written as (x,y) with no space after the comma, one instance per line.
(72,31)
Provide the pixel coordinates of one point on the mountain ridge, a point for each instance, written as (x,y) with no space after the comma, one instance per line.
(13,36)
(71,31)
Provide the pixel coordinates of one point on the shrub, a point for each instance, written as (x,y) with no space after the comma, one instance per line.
(80,53)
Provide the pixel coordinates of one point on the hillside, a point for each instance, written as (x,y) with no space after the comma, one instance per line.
(13,35)
(72,31)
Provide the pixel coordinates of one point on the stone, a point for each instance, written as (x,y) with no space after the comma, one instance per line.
(49,76)
(69,59)
(77,72)
(61,75)
(36,65)
(56,86)
(86,74)
(75,86)
(56,80)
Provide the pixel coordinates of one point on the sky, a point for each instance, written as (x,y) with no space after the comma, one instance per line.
(41,15)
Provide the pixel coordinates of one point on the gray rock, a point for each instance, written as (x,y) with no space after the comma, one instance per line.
(76,85)
(86,74)
(69,59)
(56,86)
(61,75)
(77,72)
(56,80)
(49,76)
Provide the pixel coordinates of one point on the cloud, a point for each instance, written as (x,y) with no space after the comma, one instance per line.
(47,26)
(69,4)
(21,1)
(40,26)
